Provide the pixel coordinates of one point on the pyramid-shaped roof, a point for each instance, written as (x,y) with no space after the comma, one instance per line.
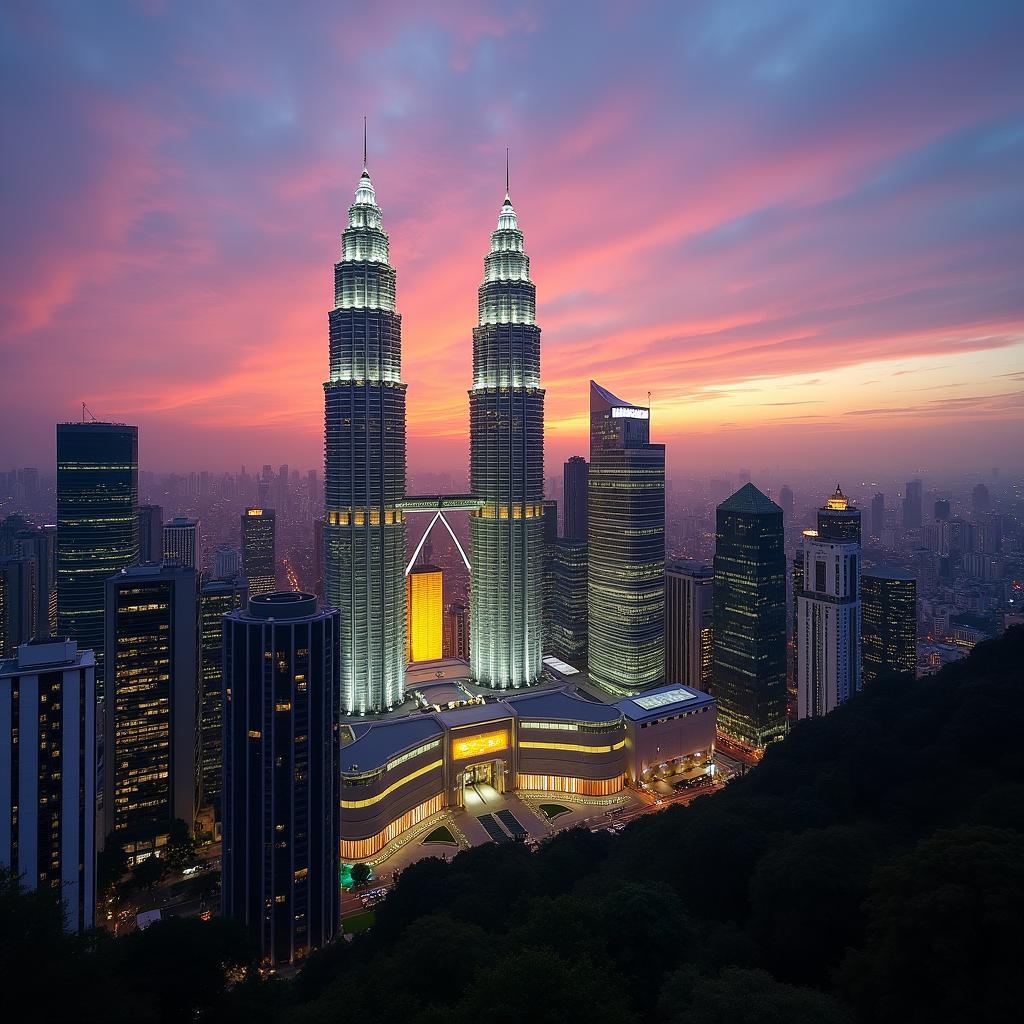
(749,499)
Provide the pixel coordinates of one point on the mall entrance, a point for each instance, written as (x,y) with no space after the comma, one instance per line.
(479,784)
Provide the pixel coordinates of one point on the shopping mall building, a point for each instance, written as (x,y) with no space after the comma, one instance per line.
(398,772)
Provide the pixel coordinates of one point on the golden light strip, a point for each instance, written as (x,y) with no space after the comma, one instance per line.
(394,785)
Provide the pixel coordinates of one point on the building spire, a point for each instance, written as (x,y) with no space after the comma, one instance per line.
(365,172)
(508,198)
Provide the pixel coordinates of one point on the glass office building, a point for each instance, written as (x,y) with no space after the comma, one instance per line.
(364,469)
(281,835)
(97,524)
(888,623)
(259,550)
(506,410)
(749,619)
(626,547)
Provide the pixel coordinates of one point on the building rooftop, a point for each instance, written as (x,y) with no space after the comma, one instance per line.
(560,705)
(664,700)
(381,741)
(749,499)
(884,573)
(475,713)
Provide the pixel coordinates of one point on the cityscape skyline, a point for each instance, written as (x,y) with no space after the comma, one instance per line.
(203,217)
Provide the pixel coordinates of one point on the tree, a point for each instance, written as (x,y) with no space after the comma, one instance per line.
(150,873)
(181,846)
(111,865)
(360,874)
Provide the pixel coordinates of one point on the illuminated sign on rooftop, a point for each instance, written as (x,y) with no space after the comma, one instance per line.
(663,700)
(630,412)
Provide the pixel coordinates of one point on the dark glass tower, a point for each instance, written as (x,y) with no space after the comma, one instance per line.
(506,412)
(259,550)
(97,524)
(279,860)
(364,468)
(574,481)
(626,547)
(749,618)
(888,623)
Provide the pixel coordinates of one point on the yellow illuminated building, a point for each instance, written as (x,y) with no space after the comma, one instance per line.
(424,614)
(480,745)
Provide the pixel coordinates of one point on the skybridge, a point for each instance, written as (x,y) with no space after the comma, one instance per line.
(438,504)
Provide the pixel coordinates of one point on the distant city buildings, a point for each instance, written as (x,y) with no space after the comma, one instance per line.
(888,623)
(828,610)
(689,606)
(151,533)
(97,525)
(626,547)
(279,861)
(259,550)
(227,562)
(151,722)
(912,506)
(506,416)
(749,619)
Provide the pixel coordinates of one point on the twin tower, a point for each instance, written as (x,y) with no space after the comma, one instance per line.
(365,461)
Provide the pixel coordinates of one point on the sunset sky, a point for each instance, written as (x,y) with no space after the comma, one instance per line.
(800,226)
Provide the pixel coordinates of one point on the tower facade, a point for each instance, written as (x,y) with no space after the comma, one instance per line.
(888,623)
(828,611)
(97,524)
(364,465)
(182,543)
(574,483)
(259,550)
(749,619)
(506,412)
(279,858)
(626,547)
(688,627)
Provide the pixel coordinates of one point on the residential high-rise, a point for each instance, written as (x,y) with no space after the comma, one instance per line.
(749,619)
(626,547)
(424,607)
(97,524)
(888,623)
(828,610)
(48,772)
(151,710)
(259,550)
(942,510)
(151,533)
(912,506)
(506,414)
(877,516)
(689,605)
(575,476)
(569,599)
(364,468)
(227,562)
(216,599)
(456,632)
(40,544)
(17,603)
(281,798)
(182,543)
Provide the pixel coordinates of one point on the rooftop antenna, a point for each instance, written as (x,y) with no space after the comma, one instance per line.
(86,411)
(506,170)
(364,142)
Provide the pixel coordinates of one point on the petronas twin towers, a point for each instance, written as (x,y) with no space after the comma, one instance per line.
(364,531)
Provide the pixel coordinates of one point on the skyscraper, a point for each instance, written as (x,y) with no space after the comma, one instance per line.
(877,516)
(216,599)
(981,500)
(364,468)
(749,619)
(48,772)
(888,623)
(424,613)
(689,593)
(569,616)
(550,540)
(227,562)
(626,547)
(182,543)
(786,499)
(151,533)
(151,710)
(456,632)
(97,524)
(40,544)
(506,411)
(575,475)
(912,506)
(17,603)
(259,550)
(281,799)
(828,610)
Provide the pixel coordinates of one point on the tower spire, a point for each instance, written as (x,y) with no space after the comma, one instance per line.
(364,142)
(506,173)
